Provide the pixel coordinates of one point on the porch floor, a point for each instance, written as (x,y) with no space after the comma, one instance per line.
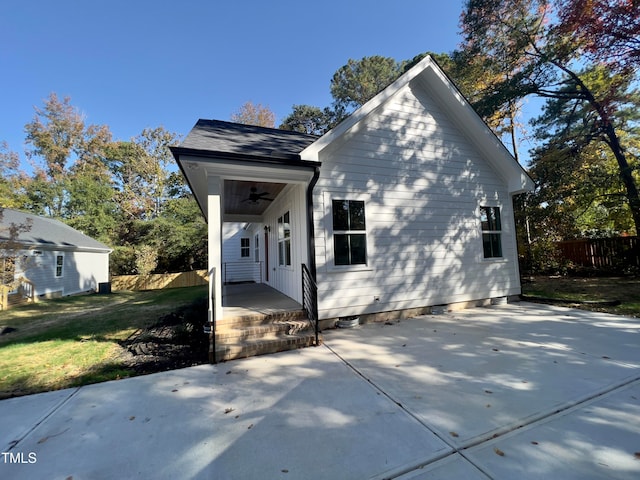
(254,298)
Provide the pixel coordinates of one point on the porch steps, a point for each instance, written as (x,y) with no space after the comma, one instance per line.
(261,334)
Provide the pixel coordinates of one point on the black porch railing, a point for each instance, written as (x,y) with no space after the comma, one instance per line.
(310,299)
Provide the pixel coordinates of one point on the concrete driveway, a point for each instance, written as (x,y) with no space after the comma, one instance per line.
(514,391)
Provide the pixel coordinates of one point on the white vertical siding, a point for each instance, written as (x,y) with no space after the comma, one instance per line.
(423,183)
(287,279)
(237,268)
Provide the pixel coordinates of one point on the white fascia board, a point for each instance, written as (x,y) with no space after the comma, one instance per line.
(53,247)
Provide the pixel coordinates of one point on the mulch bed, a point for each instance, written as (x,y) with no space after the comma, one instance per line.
(174,341)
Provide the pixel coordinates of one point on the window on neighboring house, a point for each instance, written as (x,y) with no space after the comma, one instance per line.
(284,240)
(491,232)
(349,232)
(59,265)
(245,248)
(7,270)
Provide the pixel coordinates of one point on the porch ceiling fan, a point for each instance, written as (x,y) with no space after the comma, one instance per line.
(255,197)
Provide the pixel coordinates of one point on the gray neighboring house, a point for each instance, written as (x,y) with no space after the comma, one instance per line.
(56,259)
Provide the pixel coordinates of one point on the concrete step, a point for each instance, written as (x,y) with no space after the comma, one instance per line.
(263,346)
(259,319)
(270,330)
(261,334)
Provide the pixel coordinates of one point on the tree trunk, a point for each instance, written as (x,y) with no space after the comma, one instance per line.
(625,174)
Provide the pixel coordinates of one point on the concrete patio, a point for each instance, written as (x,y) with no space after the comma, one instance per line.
(513,391)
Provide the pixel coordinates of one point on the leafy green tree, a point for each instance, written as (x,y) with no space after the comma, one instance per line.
(10,177)
(91,205)
(155,143)
(140,172)
(63,151)
(526,41)
(180,235)
(359,81)
(146,259)
(126,162)
(308,119)
(577,174)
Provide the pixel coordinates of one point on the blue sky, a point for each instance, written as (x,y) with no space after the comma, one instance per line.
(137,63)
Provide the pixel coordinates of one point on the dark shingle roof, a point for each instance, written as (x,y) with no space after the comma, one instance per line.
(47,232)
(248,140)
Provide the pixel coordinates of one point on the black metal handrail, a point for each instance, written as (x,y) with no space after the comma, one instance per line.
(310,299)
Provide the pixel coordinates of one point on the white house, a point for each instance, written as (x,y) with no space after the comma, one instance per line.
(404,205)
(56,259)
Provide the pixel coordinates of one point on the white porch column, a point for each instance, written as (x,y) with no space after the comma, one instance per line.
(214,213)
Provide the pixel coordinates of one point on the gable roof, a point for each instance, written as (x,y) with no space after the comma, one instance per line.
(215,137)
(48,233)
(428,76)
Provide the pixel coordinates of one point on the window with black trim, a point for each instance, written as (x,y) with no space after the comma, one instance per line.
(349,232)
(284,240)
(491,232)
(245,248)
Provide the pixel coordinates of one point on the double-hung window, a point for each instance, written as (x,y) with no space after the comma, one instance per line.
(59,265)
(491,232)
(245,248)
(349,232)
(284,240)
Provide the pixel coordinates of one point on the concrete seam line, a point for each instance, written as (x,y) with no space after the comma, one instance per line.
(562,409)
(567,408)
(57,407)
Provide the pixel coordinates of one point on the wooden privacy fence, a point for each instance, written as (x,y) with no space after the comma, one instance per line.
(614,253)
(159,281)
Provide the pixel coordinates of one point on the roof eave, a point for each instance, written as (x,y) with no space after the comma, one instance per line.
(293,160)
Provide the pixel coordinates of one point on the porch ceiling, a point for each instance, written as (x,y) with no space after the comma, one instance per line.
(249,198)
(239,176)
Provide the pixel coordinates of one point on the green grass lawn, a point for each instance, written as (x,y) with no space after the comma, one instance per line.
(590,289)
(74,341)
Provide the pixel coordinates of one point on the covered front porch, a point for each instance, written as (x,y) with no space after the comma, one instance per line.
(249,299)
(253,177)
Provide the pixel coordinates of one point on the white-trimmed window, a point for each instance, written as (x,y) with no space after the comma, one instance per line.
(349,232)
(491,232)
(245,247)
(59,265)
(284,240)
